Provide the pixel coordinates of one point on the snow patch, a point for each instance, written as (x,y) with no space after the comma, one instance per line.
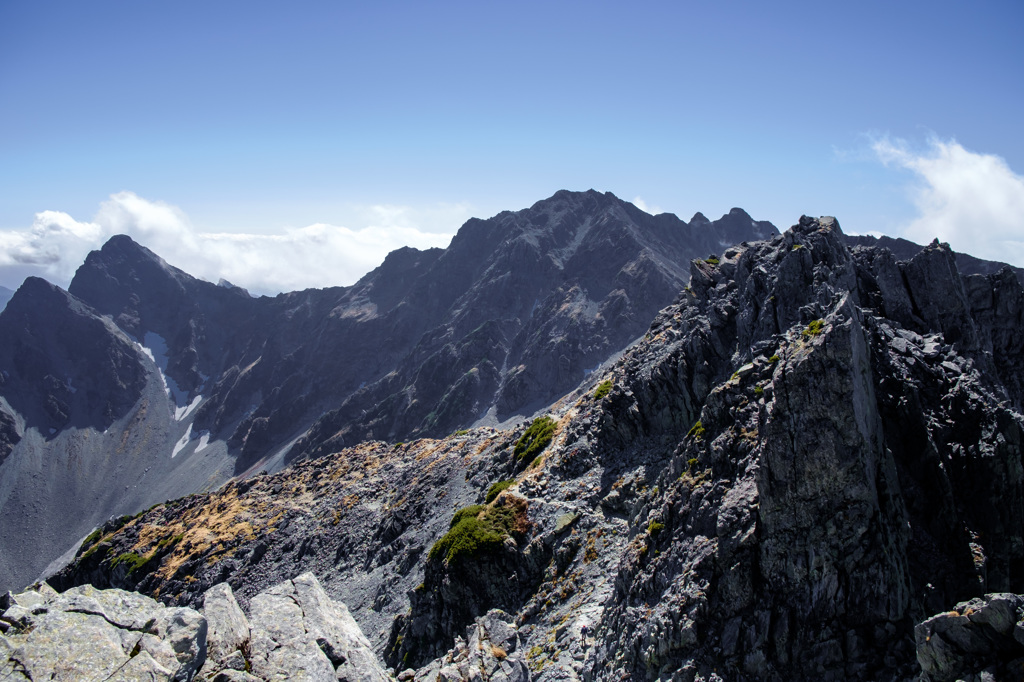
(182,442)
(204,440)
(180,412)
(150,354)
(67,384)
(155,346)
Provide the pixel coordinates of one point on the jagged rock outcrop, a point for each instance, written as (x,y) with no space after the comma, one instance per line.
(199,382)
(903,249)
(491,650)
(228,632)
(473,576)
(814,449)
(978,639)
(296,633)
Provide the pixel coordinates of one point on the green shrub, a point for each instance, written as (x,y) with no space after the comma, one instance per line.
(474,533)
(497,488)
(691,463)
(535,439)
(466,512)
(712,260)
(133,561)
(92,537)
(461,432)
(655,527)
(603,389)
(814,328)
(172,540)
(697,430)
(758,391)
(774,358)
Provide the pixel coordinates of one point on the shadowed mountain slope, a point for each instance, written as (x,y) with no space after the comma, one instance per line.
(213,382)
(507,318)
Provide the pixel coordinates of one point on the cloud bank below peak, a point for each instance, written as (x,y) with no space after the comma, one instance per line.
(973,201)
(317,255)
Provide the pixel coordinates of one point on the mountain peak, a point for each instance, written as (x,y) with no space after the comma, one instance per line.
(35,293)
(576,198)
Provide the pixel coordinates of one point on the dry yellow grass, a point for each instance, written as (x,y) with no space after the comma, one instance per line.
(203,530)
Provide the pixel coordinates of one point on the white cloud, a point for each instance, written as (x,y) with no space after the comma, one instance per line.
(973,201)
(642,205)
(318,255)
(53,247)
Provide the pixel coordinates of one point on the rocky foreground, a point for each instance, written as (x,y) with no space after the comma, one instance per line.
(296,632)
(810,454)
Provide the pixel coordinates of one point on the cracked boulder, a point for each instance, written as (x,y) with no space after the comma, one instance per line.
(90,634)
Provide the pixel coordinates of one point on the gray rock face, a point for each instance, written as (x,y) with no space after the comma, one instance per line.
(905,250)
(298,634)
(62,365)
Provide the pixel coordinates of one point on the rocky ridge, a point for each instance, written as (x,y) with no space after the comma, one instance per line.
(142,383)
(813,450)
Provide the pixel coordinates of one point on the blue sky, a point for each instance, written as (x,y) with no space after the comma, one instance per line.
(224,133)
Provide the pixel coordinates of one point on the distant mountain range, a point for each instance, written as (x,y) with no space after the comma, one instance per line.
(141,383)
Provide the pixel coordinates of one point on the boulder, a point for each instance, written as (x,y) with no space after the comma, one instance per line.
(299,633)
(227,628)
